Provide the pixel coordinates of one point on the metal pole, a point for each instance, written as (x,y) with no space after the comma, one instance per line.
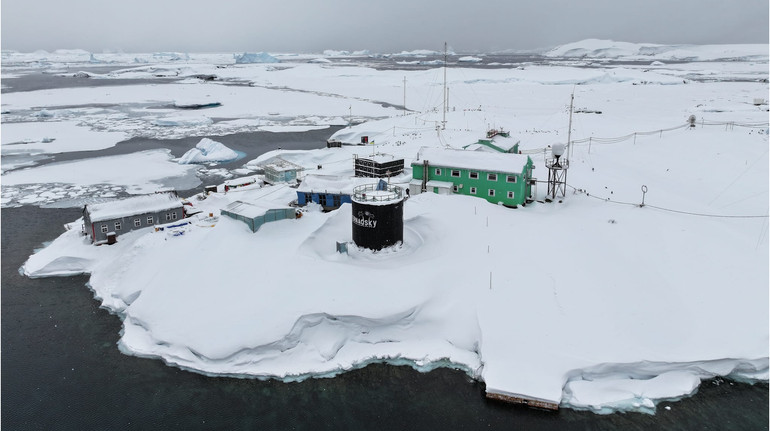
(443,122)
(569,129)
(405,95)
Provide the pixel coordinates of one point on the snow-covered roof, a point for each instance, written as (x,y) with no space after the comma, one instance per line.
(133,206)
(332,184)
(252,209)
(381,158)
(483,161)
(503,142)
(280,165)
(241,181)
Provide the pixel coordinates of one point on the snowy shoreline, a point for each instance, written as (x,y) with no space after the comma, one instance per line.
(593,302)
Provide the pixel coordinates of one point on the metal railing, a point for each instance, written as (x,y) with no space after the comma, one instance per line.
(375,193)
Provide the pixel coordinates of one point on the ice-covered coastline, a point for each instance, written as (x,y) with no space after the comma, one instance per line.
(281,303)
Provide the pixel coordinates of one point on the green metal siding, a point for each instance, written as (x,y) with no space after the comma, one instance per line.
(521,188)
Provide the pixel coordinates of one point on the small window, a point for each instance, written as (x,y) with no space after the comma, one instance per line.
(168,216)
(473,175)
(173,215)
(491,192)
(455,173)
(473,190)
(438,171)
(510,179)
(337,199)
(137,222)
(117,225)
(510,195)
(149,220)
(104,228)
(322,200)
(491,177)
(454,188)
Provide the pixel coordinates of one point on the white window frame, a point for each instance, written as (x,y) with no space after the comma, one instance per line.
(104,228)
(137,222)
(509,177)
(168,216)
(491,193)
(118,226)
(473,175)
(455,189)
(456,173)
(491,177)
(149,220)
(510,195)
(437,172)
(173,215)
(473,190)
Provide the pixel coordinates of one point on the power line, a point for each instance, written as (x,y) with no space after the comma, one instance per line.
(665,209)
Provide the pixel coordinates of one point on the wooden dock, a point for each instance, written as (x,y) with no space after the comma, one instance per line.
(520,399)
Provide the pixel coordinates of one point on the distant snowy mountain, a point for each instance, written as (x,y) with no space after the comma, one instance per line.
(605,49)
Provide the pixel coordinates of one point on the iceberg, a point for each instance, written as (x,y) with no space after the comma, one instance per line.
(208,151)
(259,57)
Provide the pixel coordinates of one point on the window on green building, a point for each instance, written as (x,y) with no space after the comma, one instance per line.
(473,175)
(491,177)
(510,179)
(455,173)
(438,171)
(473,190)
(510,195)
(454,188)
(491,192)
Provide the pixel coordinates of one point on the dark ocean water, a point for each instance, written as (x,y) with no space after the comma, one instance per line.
(61,368)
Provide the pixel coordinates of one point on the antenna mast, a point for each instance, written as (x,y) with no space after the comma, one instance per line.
(443,122)
(405,95)
(569,129)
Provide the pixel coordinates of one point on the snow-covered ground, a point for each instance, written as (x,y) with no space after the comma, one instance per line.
(592,301)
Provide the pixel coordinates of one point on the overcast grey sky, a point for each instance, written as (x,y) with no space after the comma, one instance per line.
(379,26)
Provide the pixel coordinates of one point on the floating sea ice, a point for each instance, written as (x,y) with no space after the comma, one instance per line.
(208,151)
(183,121)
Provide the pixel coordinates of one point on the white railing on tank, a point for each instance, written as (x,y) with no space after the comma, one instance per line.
(377,193)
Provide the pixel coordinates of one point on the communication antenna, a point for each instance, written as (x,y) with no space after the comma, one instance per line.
(557,172)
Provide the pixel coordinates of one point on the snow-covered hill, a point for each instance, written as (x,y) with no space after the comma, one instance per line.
(608,49)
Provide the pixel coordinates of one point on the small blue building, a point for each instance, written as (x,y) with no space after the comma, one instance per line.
(329,191)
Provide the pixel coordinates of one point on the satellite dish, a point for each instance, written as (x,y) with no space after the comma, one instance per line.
(557,150)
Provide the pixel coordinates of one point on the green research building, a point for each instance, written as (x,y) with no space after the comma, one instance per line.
(497,177)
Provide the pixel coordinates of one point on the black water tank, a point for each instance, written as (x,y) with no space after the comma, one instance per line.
(378,216)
